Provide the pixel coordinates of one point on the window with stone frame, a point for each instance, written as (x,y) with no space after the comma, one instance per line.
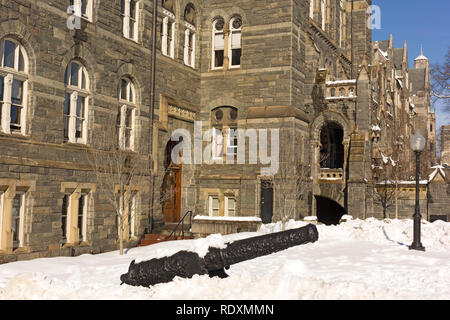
(126,116)
(17,217)
(168,33)
(13,202)
(76,103)
(235,42)
(232,142)
(189,35)
(214,205)
(230,206)
(13,86)
(217,144)
(82,8)
(218,44)
(130,15)
(74,216)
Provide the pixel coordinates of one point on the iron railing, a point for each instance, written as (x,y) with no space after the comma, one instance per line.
(174,232)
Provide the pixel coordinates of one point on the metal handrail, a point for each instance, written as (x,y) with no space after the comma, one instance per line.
(174,232)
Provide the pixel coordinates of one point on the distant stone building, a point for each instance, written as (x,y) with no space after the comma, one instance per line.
(343,106)
(445,145)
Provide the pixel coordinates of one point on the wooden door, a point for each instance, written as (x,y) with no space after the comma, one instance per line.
(171,194)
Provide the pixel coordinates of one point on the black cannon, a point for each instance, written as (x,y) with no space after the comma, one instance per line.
(186,264)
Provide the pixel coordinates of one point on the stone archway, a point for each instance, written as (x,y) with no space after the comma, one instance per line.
(328,212)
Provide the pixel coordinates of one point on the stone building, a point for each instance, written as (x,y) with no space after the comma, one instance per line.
(301,76)
(445,145)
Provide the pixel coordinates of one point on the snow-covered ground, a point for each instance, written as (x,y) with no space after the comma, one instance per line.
(355,260)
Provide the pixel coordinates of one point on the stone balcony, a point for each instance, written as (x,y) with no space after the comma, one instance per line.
(331,175)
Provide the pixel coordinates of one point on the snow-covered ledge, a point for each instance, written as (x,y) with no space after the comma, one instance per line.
(203,226)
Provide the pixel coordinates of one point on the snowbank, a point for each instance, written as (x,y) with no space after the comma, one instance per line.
(358,259)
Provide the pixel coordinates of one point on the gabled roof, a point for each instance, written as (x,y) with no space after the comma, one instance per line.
(398,58)
(383,45)
(437,169)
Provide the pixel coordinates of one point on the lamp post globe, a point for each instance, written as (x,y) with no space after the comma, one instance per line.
(417,142)
(417,145)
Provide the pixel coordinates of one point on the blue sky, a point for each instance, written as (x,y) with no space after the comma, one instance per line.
(418,22)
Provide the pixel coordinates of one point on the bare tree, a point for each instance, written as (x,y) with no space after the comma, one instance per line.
(384,192)
(120,174)
(440,87)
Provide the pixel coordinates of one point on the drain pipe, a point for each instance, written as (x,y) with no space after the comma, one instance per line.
(152,109)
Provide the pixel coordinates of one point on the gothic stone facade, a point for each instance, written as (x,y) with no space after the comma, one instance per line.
(306,68)
(445,145)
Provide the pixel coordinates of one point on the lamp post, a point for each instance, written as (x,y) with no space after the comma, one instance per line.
(417,145)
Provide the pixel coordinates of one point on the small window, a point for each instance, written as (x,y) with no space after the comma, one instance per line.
(232,141)
(82,213)
(167,36)
(235,42)
(64,215)
(333,92)
(16,217)
(125,120)
(214,206)
(129,12)
(230,206)
(75,103)
(13,87)
(218,43)
(217,144)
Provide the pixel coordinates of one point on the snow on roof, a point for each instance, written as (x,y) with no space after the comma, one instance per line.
(437,169)
(341,97)
(251,219)
(376,128)
(402,182)
(384,53)
(352,81)
(421,57)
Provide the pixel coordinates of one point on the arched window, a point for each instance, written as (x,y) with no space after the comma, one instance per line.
(168,30)
(218,43)
(189,36)
(76,103)
(130,10)
(126,115)
(332,150)
(13,86)
(235,42)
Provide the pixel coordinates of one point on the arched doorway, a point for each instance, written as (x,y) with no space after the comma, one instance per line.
(332,150)
(171,186)
(328,211)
